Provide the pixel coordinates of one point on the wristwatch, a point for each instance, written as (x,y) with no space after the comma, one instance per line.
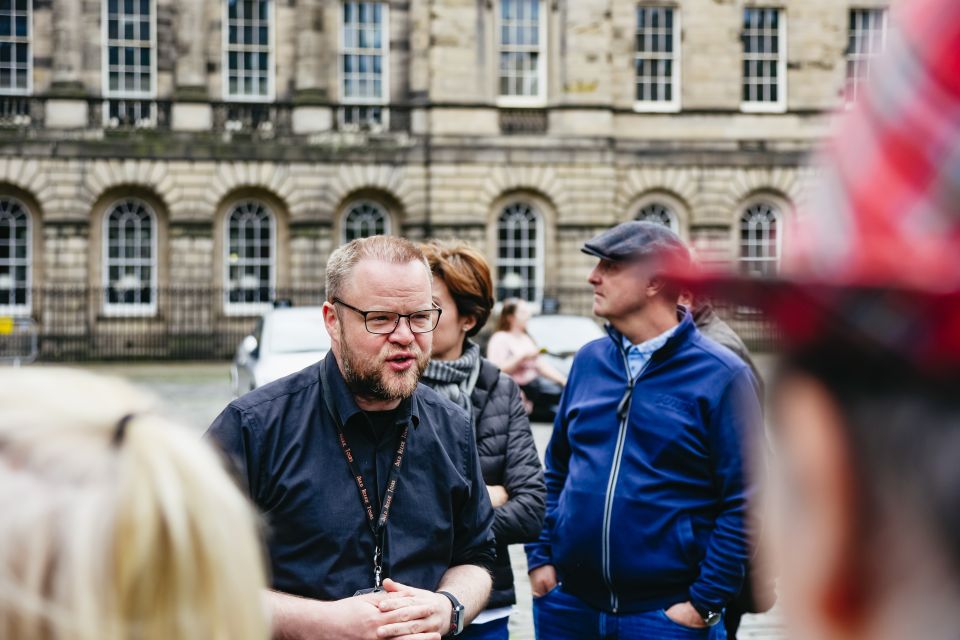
(710,618)
(456,617)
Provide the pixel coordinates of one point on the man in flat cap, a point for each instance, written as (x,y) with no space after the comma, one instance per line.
(645,533)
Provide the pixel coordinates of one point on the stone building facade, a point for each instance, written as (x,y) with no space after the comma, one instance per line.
(151,145)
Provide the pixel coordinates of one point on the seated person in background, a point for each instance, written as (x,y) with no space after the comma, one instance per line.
(513,350)
(116,523)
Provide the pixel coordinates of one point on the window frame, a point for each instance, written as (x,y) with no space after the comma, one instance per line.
(248,308)
(539,263)
(105,56)
(674,105)
(852,85)
(539,100)
(353,204)
(271,54)
(778,212)
(26,308)
(780,105)
(124,310)
(666,206)
(30,53)
(385,63)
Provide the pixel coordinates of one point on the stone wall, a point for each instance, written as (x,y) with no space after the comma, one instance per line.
(451,174)
(459,201)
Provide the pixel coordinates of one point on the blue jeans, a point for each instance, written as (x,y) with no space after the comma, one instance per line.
(493,630)
(561,616)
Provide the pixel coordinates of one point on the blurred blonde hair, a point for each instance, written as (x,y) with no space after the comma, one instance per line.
(145,538)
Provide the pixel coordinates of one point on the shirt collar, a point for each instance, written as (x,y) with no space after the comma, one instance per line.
(344,406)
(652,345)
(677,335)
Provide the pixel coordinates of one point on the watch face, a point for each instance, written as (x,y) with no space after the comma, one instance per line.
(712,618)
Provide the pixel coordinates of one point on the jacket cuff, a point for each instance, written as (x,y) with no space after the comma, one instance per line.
(696,597)
(538,555)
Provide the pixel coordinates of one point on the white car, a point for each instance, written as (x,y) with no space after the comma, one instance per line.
(562,336)
(284,341)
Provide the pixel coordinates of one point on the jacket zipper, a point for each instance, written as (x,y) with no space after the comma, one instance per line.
(612,483)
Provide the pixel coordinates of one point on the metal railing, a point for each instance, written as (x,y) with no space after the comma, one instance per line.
(373,118)
(259,119)
(523,121)
(184,323)
(129,114)
(19,342)
(197,323)
(17,112)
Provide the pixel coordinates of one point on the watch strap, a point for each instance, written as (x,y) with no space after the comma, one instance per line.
(710,617)
(456,615)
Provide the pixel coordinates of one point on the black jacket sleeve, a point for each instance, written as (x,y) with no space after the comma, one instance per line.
(520,519)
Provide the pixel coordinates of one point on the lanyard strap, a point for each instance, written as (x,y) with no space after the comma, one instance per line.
(393,479)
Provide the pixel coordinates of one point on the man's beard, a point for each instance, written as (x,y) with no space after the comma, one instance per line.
(369,379)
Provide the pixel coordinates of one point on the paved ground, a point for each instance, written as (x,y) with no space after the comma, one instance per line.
(196,392)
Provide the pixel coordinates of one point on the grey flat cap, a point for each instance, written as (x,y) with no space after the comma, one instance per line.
(638,239)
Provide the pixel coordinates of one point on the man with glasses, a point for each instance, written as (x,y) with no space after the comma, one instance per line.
(644,534)
(379,523)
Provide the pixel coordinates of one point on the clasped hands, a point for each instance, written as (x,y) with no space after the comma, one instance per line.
(398,612)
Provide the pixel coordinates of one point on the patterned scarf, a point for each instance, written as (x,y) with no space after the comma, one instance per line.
(455,379)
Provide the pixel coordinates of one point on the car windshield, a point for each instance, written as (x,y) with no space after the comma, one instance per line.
(563,334)
(296,331)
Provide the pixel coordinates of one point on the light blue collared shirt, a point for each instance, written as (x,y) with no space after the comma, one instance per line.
(638,355)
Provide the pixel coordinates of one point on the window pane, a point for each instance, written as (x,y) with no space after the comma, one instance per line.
(519,260)
(654,54)
(362,53)
(129,54)
(364,219)
(759,242)
(519,48)
(130,254)
(249,265)
(249,49)
(761,55)
(866,40)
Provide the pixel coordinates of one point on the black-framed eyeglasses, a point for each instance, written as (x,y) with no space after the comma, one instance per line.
(384,322)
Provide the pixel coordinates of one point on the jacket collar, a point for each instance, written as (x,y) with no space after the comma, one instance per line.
(486,381)
(684,333)
(342,404)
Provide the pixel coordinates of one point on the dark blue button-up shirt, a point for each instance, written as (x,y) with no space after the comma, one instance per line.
(284,442)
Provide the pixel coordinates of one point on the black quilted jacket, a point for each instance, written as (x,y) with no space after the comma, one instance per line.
(508,457)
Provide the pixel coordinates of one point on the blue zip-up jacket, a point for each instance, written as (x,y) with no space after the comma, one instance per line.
(646,491)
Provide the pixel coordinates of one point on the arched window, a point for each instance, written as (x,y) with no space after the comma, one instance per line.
(760,240)
(659,213)
(365,219)
(130,259)
(250,257)
(520,252)
(15,258)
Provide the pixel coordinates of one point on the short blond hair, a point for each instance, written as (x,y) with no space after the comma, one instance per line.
(144,537)
(390,249)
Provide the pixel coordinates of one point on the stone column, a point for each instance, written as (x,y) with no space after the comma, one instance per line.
(68,109)
(68,43)
(191,110)
(192,36)
(312,112)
